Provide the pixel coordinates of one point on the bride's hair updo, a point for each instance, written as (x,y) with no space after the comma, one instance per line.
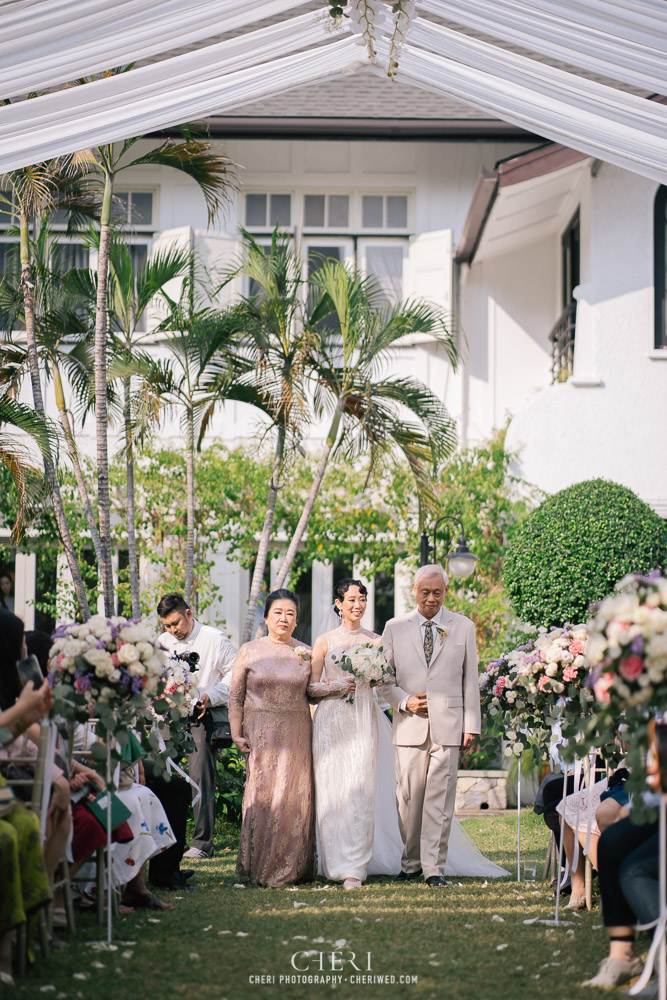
(342,587)
(280,595)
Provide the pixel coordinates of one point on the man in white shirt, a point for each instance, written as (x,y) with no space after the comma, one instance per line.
(435,699)
(184,634)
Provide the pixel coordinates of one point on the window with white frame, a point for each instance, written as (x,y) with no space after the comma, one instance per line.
(367,229)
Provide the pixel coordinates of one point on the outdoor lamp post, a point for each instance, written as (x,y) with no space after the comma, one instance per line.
(461,561)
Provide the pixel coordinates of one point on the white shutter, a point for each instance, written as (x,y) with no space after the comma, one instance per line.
(218,253)
(427,268)
(178,238)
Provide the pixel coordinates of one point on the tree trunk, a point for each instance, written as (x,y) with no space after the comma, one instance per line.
(49,470)
(76,465)
(293,547)
(103,499)
(265,537)
(131,522)
(190,501)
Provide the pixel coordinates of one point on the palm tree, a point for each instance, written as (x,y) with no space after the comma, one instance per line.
(275,342)
(212,171)
(128,301)
(17,421)
(357,333)
(34,190)
(62,333)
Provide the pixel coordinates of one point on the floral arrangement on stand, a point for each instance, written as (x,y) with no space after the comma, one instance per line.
(366,663)
(626,652)
(533,687)
(114,669)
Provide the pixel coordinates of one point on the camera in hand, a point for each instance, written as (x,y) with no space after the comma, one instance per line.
(192,659)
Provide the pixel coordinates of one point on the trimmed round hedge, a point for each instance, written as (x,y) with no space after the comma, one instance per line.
(576,546)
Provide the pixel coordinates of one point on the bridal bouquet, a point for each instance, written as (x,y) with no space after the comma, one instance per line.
(366,663)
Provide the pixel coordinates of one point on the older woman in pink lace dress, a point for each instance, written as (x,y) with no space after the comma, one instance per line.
(270,722)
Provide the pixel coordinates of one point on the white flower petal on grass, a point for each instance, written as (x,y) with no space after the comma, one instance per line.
(47,989)
(518,968)
(498,919)
(501,947)
(484,885)
(468,927)
(241,933)
(433,963)
(433,954)
(193,956)
(239,885)
(126,954)
(209,928)
(81,975)
(299,937)
(98,965)
(293,888)
(378,920)
(224,932)
(297,905)
(153,920)
(340,943)
(359,920)
(531,920)
(319,940)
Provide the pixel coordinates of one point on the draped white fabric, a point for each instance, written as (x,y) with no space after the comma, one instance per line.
(615,43)
(625,40)
(47,44)
(171,91)
(591,117)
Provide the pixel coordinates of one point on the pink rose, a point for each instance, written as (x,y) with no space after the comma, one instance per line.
(601,688)
(497,690)
(570,673)
(576,647)
(631,668)
(115,660)
(543,655)
(543,682)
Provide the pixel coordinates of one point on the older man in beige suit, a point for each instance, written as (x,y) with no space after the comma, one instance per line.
(436,713)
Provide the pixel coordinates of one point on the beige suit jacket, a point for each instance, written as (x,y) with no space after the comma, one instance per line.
(450,681)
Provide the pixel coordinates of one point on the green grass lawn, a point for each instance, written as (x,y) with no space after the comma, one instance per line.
(469,941)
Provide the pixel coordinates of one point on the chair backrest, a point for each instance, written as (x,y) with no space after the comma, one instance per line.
(24,771)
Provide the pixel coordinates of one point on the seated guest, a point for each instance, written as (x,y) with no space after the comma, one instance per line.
(607,797)
(164,871)
(23,877)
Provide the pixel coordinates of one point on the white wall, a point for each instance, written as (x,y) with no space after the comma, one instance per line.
(610,419)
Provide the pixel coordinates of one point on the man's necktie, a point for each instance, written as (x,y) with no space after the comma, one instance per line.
(428,641)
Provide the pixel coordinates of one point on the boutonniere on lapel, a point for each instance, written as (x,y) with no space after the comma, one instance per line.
(302,653)
(442,632)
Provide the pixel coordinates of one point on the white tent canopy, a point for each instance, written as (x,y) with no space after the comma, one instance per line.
(623,40)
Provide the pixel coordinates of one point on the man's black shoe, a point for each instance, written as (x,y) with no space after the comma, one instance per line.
(408,876)
(435,881)
(175,882)
(186,872)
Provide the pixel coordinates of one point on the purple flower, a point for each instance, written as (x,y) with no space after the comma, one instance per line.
(137,686)
(637,645)
(101,644)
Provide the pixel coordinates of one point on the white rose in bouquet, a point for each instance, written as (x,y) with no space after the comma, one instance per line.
(128,653)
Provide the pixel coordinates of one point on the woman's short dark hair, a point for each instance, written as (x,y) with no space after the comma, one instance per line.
(11,640)
(280,595)
(170,603)
(342,587)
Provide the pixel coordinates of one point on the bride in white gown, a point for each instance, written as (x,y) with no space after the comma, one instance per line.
(353,757)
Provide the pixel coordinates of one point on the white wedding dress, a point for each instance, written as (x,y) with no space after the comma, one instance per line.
(355,785)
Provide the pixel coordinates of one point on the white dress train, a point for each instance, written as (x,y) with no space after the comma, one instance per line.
(355,786)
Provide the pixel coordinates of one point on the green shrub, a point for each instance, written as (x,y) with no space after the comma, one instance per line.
(229,784)
(576,546)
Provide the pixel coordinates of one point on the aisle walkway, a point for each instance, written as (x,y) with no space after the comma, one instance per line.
(469,941)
